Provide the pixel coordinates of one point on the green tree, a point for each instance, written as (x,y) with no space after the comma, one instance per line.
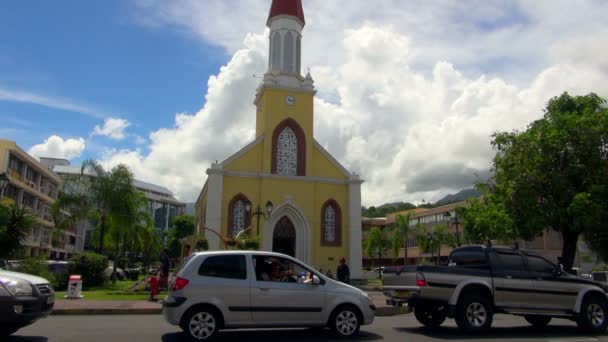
(182,226)
(554,174)
(376,243)
(14,223)
(95,193)
(401,234)
(431,240)
(484,220)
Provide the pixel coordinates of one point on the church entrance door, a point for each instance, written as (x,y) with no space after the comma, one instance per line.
(284,237)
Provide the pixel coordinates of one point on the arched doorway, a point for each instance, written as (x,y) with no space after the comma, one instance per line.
(284,237)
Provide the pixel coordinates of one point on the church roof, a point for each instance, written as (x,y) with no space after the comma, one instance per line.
(286,7)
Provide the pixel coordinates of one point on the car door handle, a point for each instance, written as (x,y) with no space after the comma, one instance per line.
(509,277)
(265,289)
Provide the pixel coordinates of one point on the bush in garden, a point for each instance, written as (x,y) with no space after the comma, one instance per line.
(37,267)
(90,266)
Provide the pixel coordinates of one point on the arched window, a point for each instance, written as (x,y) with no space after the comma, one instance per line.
(276,52)
(238,218)
(288,60)
(287,153)
(298,53)
(331,224)
(288,149)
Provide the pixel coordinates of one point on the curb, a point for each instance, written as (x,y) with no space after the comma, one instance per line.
(70,312)
(380,312)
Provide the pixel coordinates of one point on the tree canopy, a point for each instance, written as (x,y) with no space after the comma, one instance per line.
(555,173)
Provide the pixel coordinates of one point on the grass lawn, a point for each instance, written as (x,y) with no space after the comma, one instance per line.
(109,291)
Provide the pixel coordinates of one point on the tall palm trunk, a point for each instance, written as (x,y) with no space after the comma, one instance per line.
(102,232)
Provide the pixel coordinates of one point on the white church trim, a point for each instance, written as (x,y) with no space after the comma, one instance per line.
(300,224)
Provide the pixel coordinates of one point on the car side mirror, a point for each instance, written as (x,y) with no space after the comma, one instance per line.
(559,270)
(316,280)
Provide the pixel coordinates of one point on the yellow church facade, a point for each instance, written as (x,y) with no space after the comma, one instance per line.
(316,202)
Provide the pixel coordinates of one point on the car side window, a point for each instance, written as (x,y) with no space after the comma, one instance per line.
(511,262)
(540,265)
(224,266)
(469,258)
(272,268)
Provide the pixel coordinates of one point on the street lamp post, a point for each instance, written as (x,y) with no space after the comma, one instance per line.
(3,183)
(431,238)
(456,222)
(258,212)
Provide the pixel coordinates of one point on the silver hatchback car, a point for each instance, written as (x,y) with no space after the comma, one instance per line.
(250,289)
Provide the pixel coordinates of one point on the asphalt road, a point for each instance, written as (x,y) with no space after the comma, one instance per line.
(396,328)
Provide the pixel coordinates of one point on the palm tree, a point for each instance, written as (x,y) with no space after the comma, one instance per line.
(401,235)
(14,223)
(96,193)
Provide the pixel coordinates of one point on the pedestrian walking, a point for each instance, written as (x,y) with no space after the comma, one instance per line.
(164,268)
(343,272)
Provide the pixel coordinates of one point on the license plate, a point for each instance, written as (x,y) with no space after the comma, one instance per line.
(50,300)
(402,294)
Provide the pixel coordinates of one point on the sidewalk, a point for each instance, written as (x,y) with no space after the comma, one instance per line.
(132,307)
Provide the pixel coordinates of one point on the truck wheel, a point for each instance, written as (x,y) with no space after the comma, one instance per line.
(538,321)
(430,316)
(474,313)
(593,315)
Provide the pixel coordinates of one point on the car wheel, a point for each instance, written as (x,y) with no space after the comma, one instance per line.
(538,321)
(430,316)
(474,313)
(6,331)
(593,315)
(202,324)
(345,321)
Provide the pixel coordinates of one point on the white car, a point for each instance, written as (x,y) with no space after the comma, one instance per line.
(238,289)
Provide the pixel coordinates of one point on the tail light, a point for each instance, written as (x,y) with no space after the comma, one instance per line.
(420,281)
(180,283)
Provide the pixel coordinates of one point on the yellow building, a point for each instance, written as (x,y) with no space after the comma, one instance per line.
(316,203)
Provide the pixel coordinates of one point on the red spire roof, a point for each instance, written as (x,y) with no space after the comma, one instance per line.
(287,7)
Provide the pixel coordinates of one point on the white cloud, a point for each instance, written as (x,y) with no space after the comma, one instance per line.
(58,147)
(112,128)
(408,95)
(51,102)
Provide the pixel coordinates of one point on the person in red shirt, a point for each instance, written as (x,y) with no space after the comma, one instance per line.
(154,286)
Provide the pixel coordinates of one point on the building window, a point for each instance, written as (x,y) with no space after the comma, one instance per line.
(287,153)
(238,219)
(288,62)
(288,149)
(276,52)
(15,164)
(331,224)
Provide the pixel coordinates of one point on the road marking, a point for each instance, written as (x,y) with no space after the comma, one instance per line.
(575,340)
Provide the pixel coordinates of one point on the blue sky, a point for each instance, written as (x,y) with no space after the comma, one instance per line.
(415,87)
(94,54)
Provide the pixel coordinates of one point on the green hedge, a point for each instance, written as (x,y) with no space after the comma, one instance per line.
(37,267)
(90,266)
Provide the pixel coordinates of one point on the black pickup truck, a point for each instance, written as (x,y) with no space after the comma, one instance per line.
(483,280)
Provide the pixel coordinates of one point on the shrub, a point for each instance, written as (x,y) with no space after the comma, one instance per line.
(37,267)
(122,263)
(90,266)
(250,243)
(230,242)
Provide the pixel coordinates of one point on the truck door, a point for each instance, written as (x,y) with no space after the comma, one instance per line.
(512,284)
(553,292)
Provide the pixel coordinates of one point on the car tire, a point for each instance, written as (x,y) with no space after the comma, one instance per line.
(538,321)
(7,331)
(474,313)
(345,321)
(431,316)
(592,316)
(202,324)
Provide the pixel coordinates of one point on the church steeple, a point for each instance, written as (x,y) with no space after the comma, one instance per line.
(286,21)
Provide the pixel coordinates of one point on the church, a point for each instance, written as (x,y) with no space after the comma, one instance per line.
(283,187)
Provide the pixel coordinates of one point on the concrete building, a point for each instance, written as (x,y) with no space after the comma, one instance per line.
(548,244)
(34,186)
(162,204)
